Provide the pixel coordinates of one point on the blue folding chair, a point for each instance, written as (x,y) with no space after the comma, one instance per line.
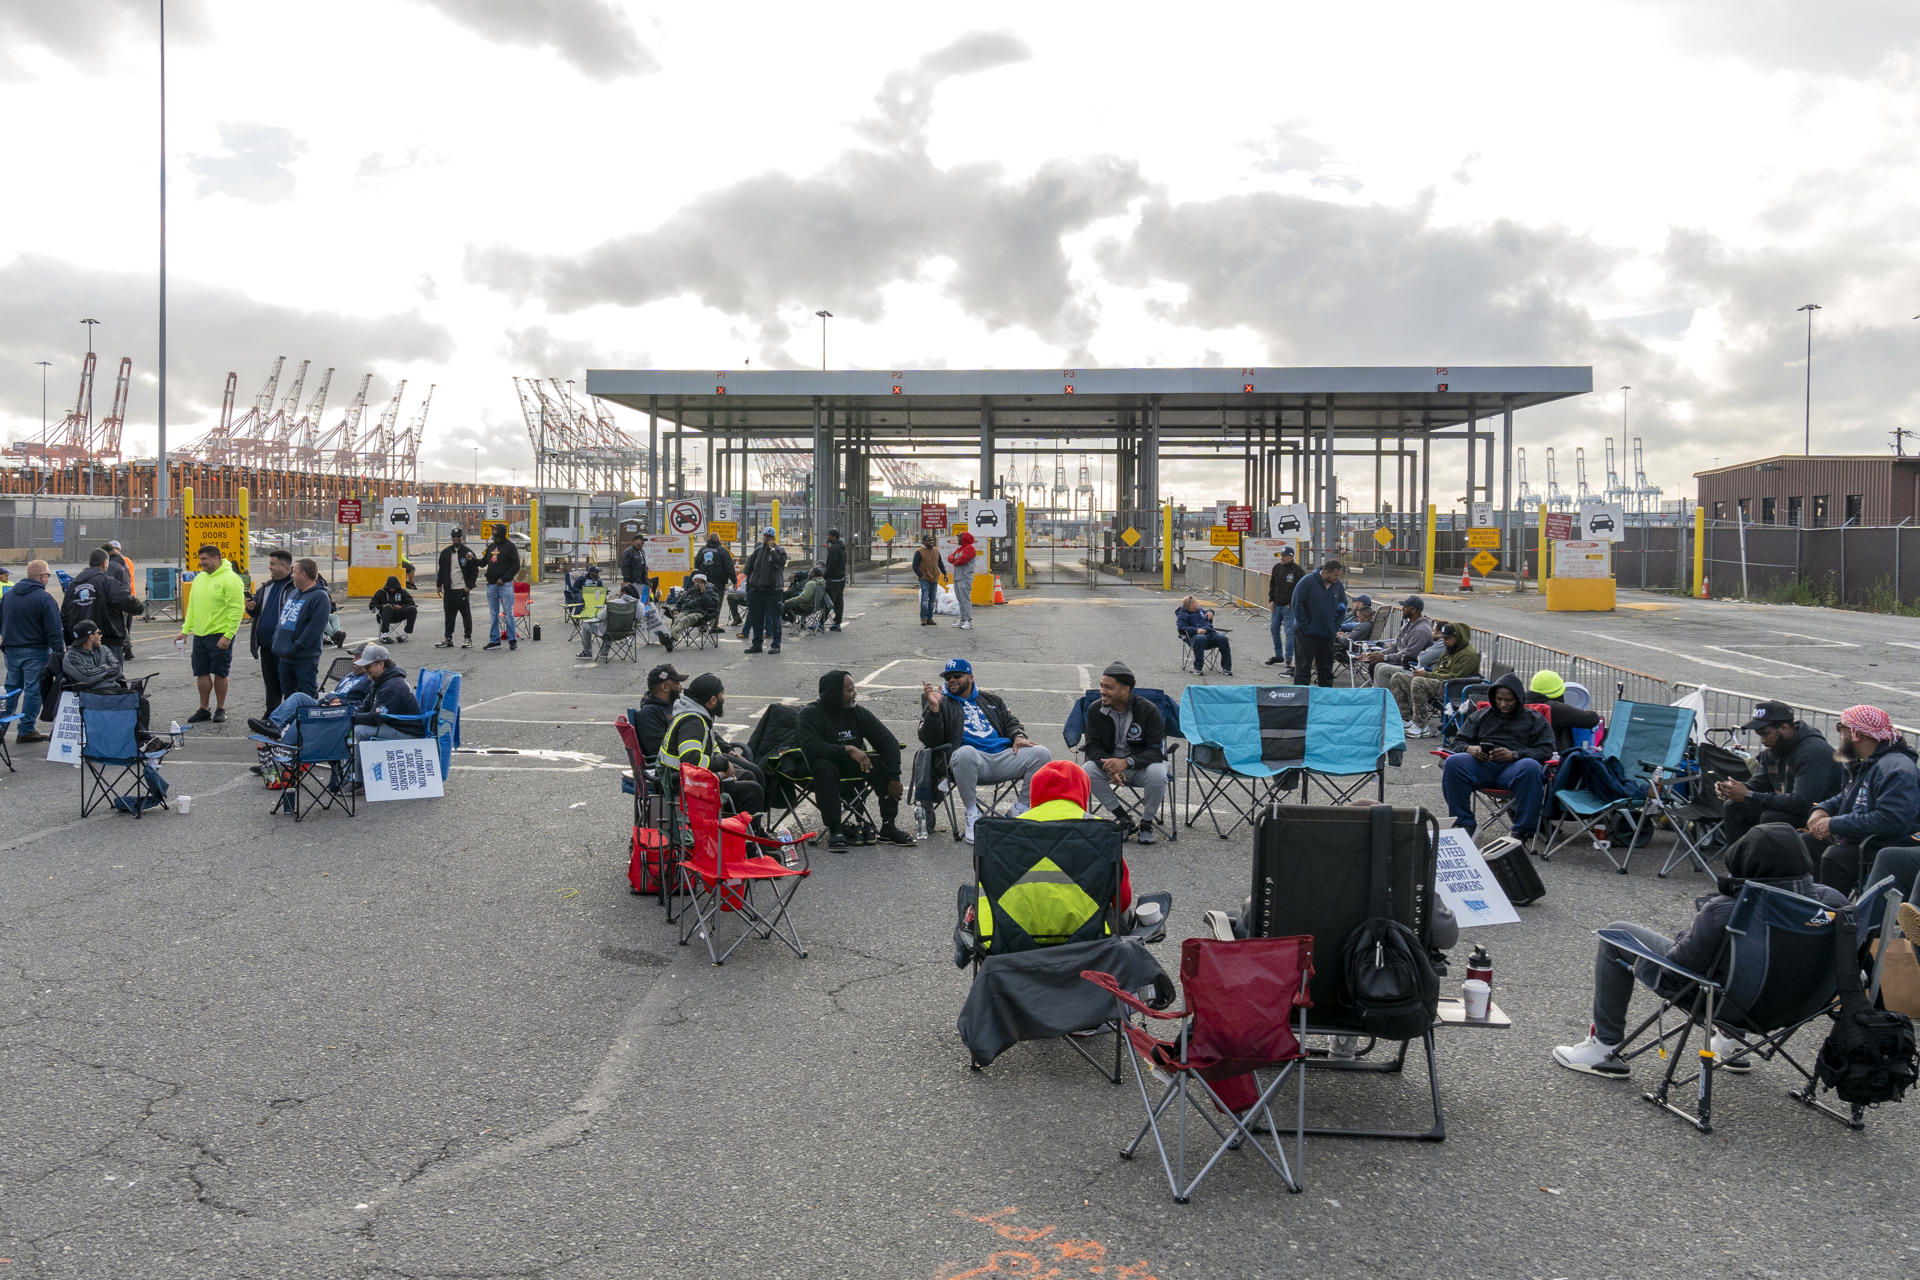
(1647,741)
(113,768)
(1231,757)
(438,693)
(11,718)
(318,735)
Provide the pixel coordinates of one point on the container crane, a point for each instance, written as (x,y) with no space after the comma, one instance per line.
(1557,499)
(1649,494)
(1527,497)
(1582,493)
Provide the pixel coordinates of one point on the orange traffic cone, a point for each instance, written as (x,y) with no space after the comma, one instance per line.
(999,596)
(1466,581)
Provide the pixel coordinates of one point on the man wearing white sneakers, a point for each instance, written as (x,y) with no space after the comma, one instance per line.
(1770,854)
(989,743)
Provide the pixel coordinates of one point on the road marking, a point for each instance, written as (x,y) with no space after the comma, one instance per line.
(1822,640)
(871,676)
(1690,657)
(1781,662)
(1903,644)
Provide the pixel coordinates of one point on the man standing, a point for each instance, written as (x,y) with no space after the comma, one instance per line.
(1416,634)
(766,573)
(1285,577)
(989,744)
(844,742)
(1126,742)
(214,609)
(716,562)
(459,567)
(1797,771)
(301,630)
(502,565)
(1316,618)
(926,569)
(124,571)
(30,636)
(836,571)
(96,596)
(633,562)
(1415,690)
(264,608)
(1881,798)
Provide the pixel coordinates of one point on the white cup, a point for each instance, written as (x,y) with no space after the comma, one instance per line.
(1476,995)
(1147,913)
(182,803)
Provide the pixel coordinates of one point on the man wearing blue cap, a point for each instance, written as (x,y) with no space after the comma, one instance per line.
(766,575)
(989,744)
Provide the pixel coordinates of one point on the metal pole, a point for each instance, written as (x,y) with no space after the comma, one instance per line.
(1507,533)
(1741,517)
(160,483)
(1623,447)
(1810,308)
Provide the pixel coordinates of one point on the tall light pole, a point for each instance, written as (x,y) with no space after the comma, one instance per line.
(1810,308)
(161,481)
(476,464)
(89,322)
(1623,446)
(824,317)
(44,366)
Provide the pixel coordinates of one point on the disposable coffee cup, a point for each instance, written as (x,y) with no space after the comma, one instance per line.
(1477,995)
(182,803)
(1147,913)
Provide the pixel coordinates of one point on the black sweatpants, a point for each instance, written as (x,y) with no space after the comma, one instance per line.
(458,604)
(837,592)
(1310,652)
(833,770)
(393,613)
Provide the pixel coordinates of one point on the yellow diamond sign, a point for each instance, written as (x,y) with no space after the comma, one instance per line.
(1383,536)
(1130,536)
(1225,556)
(1485,561)
(887,533)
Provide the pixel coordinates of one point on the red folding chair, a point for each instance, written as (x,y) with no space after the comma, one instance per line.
(656,835)
(523,611)
(720,878)
(1246,1012)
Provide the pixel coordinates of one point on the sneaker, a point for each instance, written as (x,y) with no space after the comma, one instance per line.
(868,837)
(512,645)
(890,834)
(666,641)
(1124,825)
(491,644)
(1418,731)
(740,635)
(31,736)
(973,816)
(1274,662)
(199,717)
(1592,1057)
(265,728)
(256,769)
(1343,1048)
(966,626)
(1724,1049)
(445,644)
(467,643)
(1018,809)
(385,638)
(775,649)
(834,627)
(219,715)
(837,842)
(1909,919)
(1145,834)
(585,655)
(1226,671)
(752,649)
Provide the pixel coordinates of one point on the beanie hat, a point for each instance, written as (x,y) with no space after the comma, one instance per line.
(1871,721)
(1120,671)
(1548,683)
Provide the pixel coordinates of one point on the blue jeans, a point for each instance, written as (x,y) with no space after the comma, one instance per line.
(1463,775)
(24,668)
(1201,641)
(500,612)
(927,598)
(299,675)
(1280,626)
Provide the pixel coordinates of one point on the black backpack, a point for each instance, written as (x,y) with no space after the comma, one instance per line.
(1869,1056)
(1390,979)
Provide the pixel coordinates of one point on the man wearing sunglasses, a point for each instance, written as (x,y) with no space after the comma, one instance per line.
(989,744)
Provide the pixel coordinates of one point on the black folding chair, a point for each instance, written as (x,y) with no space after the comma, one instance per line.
(1698,816)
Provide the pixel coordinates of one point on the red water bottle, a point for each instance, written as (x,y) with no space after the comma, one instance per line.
(1480,965)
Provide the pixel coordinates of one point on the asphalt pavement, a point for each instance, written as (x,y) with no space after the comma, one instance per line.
(442,1039)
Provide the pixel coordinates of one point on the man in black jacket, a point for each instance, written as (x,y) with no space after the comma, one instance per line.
(716,562)
(1285,577)
(1770,854)
(836,571)
(633,561)
(766,571)
(1125,741)
(1798,771)
(656,712)
(263,606)
(502,566)
(989,744)
(1503,745)
(844,742)
(96,596)
(459,568)
(393,604)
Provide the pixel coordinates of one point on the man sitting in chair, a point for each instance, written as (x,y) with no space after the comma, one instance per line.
(595,628)
(807,601)
(1416,633)
(1124,743)
(1547,687)
(699,607)
(845,742)
(1770,854)
(1416,690)
(1505,745)
(1797,771)
(378,685)
(1880,799)
(989,743)
(1357,626)
(690,739)
(1195,626)
(89,666)
(394,605)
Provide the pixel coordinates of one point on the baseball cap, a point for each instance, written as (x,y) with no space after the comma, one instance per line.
(769,532)
(704,686)
(1766,713)
(1414,602)
(662,673)
(1286,553)
(699,577)
(114,543)
(372,653)
(1363,598)
(85,628)
(955,666)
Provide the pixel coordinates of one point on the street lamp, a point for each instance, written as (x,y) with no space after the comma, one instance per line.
(89,323)
(476,464)
(824,317)
(1810,308)
(44,366)
(1623,445)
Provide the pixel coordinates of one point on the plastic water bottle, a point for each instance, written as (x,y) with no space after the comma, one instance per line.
(1480,965)
(919,823)
(788,856)
(173,728)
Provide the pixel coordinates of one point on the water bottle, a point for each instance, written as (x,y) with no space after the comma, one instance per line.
(789,856)
(173,728)
(1480,965)
(919,823)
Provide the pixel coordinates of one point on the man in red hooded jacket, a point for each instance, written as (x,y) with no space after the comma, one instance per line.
(964,559)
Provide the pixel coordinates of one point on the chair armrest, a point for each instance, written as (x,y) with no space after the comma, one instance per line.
(1621,940)
(1107,982)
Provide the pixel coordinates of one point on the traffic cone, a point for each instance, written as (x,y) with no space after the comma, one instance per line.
(999,596)
(1466,581)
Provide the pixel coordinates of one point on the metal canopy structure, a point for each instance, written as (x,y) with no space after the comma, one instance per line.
(1289,425)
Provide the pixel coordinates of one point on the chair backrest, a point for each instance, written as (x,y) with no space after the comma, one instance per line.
(621,612)
(700,801)
(1648,731)
(1492,671)
(1779,966)
(109,726)
(1312,875)
(339,669)
(1332,731)
(636,758)
(1386,625)
(1075,728)
(522,598)
(162,583)
(1578,695)
(592,600)
(1046,883)
(323,734)
(1243,995)
(449,717)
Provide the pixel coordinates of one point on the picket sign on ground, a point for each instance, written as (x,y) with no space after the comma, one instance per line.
(65,745)
(401,768)
(1467,885)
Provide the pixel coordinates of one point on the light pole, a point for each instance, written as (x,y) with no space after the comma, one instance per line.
(44,366)
(1623,446)
(824,317)
(476,464)
(89,322)
(161,481)
(1810,308)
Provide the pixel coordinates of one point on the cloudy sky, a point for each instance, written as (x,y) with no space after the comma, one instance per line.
(456,191)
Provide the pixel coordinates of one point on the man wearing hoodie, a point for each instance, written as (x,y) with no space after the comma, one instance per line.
(766,569)
(502,565)
(1504,745)
(1416,634)
(392,605)
(98,597)
(30,634)
(302,629)
(965,560)
(1880,799)
(214,609)
(1416,690)
(843,742)
(690,739)
(1317,602)
(1797,771)
(1770,854)
(836,574)
(989,744)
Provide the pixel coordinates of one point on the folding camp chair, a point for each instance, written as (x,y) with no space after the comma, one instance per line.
(1038,885)
(659,835)
(1645,739)
(317,735)
(1210,657)
(704,636)
(592,600)
(337,670)
(621,638)
(1312,874)
(438,693)
(1776,974)
(720,876)
(1246,1012)
(1493,806)
(7,697)
(114,768)
(1130,800)
(1697,816)
(522,611)
(947,796)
